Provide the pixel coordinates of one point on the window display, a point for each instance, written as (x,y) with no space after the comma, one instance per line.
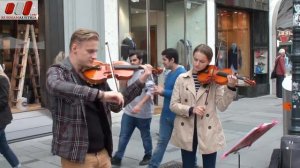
(233,43)
(19,55)
(260,61)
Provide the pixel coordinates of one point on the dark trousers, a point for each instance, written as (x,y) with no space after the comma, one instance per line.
(279,80)
(128,124)
(189,159)
(6,151)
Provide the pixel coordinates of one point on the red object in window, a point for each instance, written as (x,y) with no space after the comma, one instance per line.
(283,38)
(9,8)
(27,8)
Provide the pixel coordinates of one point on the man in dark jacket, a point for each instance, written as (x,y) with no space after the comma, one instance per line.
(5,119)
(81,111)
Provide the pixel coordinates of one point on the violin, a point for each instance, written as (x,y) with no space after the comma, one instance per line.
(122,70)
(213,74)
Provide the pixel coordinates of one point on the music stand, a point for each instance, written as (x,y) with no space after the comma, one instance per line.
(250,138)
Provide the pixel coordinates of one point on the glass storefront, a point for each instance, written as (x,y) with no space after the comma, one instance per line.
(150,26)
(186,27)
(233,40)
(20,48)
(141,28)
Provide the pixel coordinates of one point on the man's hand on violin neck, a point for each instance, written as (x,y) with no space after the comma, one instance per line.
(113,97)
(232,80)
(147,72)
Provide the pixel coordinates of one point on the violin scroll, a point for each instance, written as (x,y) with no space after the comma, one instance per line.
(157,71)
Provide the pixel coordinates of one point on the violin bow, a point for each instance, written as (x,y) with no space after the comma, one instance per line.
(111,66)
(206,99)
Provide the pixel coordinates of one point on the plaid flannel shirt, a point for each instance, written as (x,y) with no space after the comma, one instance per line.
(70,132)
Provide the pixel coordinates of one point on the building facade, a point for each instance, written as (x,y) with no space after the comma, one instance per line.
(239,32)
(240,35)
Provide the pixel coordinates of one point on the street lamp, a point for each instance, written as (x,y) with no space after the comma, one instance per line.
(295,58)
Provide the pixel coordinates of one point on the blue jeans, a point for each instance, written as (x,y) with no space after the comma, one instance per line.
(128,124)
(6,151)
(189,159)
(165,131)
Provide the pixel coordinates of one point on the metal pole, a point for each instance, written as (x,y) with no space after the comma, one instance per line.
(295,58)
(239,159)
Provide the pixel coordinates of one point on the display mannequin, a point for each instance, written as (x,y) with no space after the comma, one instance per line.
(127,46)
(234,57)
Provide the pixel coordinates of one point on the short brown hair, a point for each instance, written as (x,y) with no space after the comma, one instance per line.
(204,49)
(81,35)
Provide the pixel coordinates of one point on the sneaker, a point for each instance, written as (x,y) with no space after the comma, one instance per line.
(145,160)
(116,161)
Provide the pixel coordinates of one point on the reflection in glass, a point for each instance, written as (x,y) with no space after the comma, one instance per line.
(19,55)
(233,41)
(185,27)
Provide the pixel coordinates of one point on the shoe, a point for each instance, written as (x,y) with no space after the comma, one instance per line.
(116,161)
(146,160)
(18,166)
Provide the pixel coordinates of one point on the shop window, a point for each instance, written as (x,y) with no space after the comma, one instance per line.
(20,58)
(186,27)
(260,61)
(142,29)
(233,41)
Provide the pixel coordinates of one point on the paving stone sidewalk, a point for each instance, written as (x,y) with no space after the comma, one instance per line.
(242,115)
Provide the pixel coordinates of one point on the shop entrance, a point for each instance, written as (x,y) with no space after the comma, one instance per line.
(19,56)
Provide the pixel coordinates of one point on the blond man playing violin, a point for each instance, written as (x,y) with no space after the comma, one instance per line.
(82,134)
(195,106)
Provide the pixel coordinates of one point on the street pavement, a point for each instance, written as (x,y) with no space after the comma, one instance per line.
(242,116)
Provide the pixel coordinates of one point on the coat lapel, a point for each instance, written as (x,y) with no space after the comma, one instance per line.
(191,88)
(188,87)
(200,92)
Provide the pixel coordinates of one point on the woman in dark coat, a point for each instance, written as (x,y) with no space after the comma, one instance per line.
(5,119)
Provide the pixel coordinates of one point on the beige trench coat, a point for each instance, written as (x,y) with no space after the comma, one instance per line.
(209,129)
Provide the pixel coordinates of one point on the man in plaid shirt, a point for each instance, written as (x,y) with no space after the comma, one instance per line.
(81,111)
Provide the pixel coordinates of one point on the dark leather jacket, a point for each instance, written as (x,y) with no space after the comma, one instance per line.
(5,113)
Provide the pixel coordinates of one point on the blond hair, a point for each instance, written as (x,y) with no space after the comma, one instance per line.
(81,35)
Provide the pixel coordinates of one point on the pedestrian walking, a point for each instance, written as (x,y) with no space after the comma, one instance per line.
(280,71)
(170,61)
(5,119)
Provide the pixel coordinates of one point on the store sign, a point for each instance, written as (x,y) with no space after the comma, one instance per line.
(18,10)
